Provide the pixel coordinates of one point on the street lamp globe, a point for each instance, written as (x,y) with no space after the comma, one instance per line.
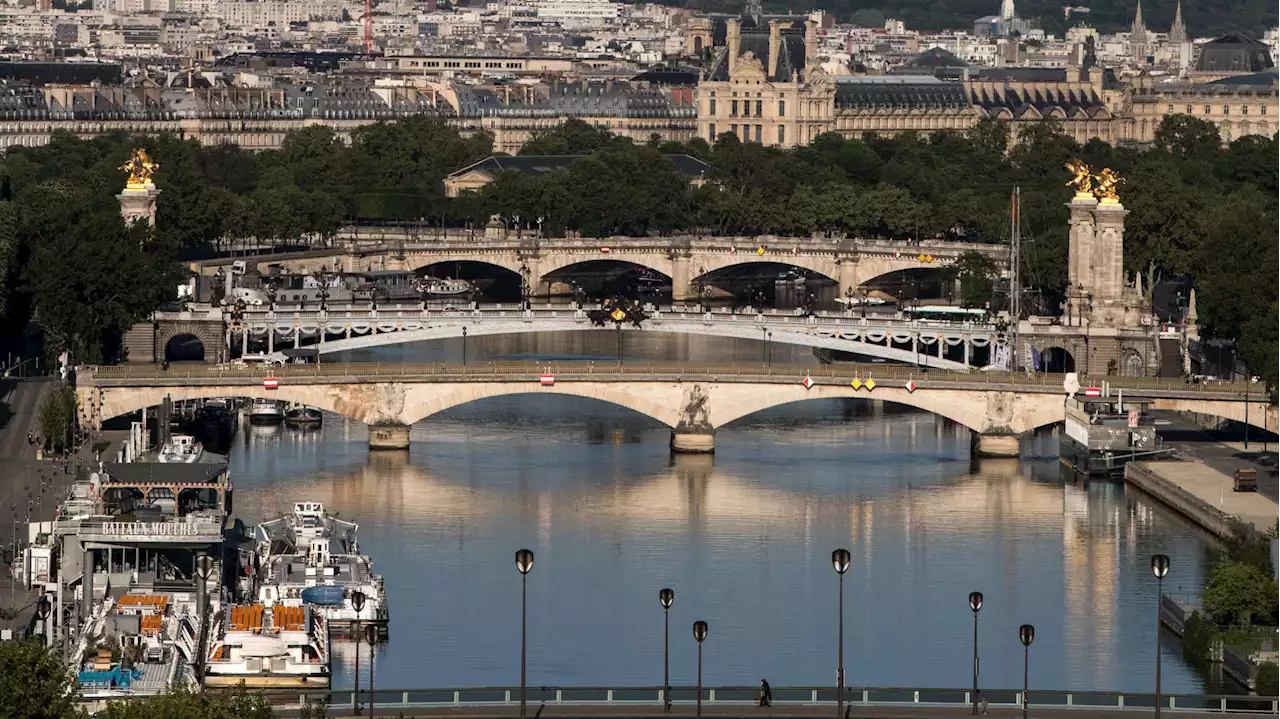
(699,630)
(975,601)
(840,560)
(667,596)
(1160,565)
(1026,634)
(524,560)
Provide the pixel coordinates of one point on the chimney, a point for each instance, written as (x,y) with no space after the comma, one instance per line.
(810,43)
(733,39)
(775,43)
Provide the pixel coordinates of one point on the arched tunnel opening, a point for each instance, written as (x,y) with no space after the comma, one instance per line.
(596,280)
(482,281)
(928,285)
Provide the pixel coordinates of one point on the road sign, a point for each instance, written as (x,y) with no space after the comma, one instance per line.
(855,383)
(910,385)
(1092,391)
(870,384)
(270,383)
(605,249)
(546,380)
(808,382)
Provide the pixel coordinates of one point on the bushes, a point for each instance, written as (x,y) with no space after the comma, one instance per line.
(1239,593)
(1268,680)
(58,412)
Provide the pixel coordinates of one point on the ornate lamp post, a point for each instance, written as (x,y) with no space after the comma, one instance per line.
(43,610)
(1026,634)
(700,633)
(666,597)
(371,636)
(840,560)
(524,563)
(1159,567)
(357,603)
(975,604)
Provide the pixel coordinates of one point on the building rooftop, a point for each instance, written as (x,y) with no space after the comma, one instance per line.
(1234,52)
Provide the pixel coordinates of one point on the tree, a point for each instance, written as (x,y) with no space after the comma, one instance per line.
(977,274)
(1239,593)
(34,683)
(572,137)
(58,414)
(239,704)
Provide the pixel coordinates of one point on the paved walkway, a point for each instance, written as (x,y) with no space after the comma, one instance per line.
(748,712)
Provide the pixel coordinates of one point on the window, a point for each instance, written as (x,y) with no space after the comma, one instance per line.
(733,109)
(733,129)
(1188,109)
(713,107)
(782,135)
(760,134)
(782,109)
(1170,110)
(1244,109)
(1226,109)
(1208,110)
(711,133)
(759,108)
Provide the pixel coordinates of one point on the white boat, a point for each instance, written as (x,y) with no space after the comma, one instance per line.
(309,558)
(436,286)
(181,449)
(269,646)
(302,414)
(265,411)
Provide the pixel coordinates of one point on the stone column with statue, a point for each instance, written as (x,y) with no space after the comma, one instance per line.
(1080,244)
(138,201)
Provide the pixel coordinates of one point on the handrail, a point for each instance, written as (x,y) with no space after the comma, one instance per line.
(783,696)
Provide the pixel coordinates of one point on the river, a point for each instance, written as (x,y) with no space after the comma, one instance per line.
(744,538)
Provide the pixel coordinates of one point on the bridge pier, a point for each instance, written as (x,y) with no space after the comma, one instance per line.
(693,442)
(388,436)
(995,445)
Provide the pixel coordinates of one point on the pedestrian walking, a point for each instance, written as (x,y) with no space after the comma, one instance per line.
(766,694)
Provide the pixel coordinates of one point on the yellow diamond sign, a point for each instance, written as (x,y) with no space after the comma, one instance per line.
(760,250)
(618,315)
(920,257)
(856,384)
(871,384)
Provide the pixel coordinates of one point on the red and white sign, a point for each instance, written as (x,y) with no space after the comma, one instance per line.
(1134,415)
(910,385)
(808,382)
(270,383)
(605,249)
(547,380)
(795,250)
(1092,391)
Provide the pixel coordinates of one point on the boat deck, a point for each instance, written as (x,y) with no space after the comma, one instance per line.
(292,569)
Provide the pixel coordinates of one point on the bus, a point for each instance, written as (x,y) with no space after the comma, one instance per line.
(939,313)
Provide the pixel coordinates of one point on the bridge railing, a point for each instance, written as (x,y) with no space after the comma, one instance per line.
(739,696)
(644,370)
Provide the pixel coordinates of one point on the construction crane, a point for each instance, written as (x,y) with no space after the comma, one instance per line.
(368,27)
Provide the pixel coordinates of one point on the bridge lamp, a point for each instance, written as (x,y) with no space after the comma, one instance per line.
(371,636)
(666,597)
(975,605)
(1026,635)
(840,560)
(1159,567)
(524,563)
(43,610)
(357,603)
(699,634)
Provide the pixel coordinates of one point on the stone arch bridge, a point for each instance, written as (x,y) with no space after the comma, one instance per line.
(694,400)
(847,262)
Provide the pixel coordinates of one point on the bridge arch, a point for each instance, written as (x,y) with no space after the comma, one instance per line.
(655,261)
(184,347)
(120,401)
(708,263)
(655,406)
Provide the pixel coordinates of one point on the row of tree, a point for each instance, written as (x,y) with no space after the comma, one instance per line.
(1199,209)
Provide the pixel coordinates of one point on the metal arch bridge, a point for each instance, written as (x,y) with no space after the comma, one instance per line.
(362,328)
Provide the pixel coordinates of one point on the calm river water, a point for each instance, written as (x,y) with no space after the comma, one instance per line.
(744,538)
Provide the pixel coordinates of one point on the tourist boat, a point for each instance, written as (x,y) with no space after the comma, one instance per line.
(1102,434)
(181,449)
(310,558)
(300,414)
(448,287)
(265,411)
(269,646)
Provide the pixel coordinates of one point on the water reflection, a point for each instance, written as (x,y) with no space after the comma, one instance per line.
(743,537)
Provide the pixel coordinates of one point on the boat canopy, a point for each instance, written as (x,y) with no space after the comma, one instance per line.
(329,595)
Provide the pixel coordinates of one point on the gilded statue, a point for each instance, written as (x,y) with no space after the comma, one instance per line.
(140,169)
(1107,183)
(1082,180)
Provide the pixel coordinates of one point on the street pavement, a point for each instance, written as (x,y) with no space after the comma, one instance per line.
(793,711)
(1196,443)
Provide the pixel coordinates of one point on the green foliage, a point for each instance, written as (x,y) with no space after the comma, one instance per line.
(34,684)
(1198,636)
(977,274)
(58,412)
(1268,679)
(239,704)
(1240,593)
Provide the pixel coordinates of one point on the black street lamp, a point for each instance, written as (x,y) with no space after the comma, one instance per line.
(666,597)
(975,603)
(357,603)
(840,560)
(699,633)
(1026,634)
(464,346)
(371,636)
(1159,567)
(524,563)
(43,610)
